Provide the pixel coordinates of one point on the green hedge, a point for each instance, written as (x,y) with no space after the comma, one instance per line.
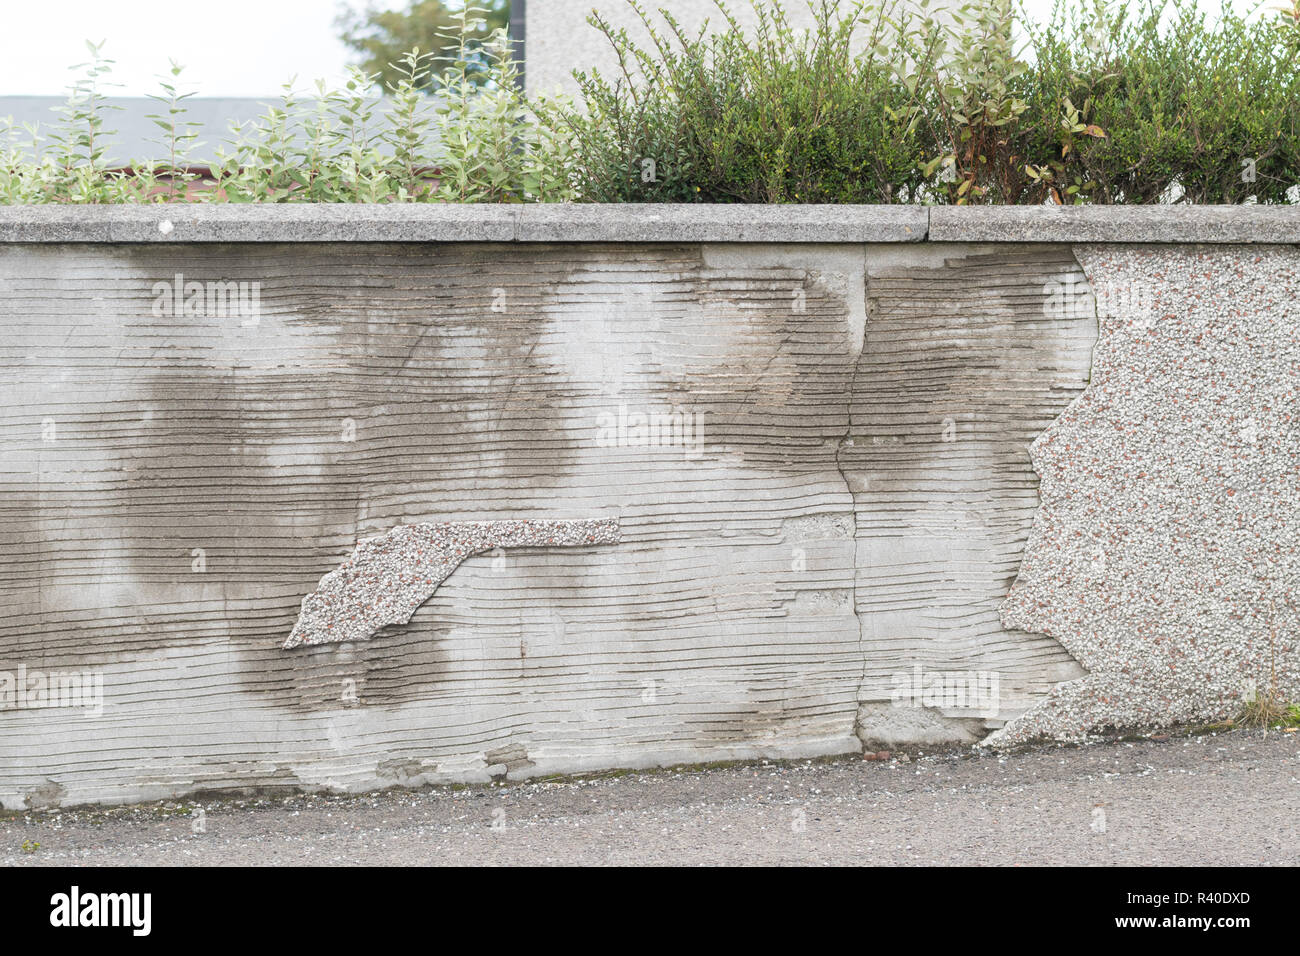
(1130,102)
(1108,103)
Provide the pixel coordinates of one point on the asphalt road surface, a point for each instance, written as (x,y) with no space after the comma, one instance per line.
(1217,798)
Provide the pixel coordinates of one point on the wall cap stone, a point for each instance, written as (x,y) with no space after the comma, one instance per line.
(654,222)
(1170,224)
(571,222)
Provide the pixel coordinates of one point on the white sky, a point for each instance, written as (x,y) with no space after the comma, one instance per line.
(229,47)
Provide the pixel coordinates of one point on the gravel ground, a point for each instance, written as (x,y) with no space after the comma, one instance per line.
(1227,797)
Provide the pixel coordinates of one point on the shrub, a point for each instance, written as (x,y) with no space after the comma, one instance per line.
(980,110)
(774,116)
(474,138)
(1114,101)
(1205,112)
(1138,102)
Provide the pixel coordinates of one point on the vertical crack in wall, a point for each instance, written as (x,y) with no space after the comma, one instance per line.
(966,365)
(859,347)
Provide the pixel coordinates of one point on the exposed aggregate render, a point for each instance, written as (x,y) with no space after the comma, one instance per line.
(1164,553)
(389,576)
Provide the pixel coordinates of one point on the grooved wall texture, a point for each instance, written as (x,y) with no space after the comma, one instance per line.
(816,456)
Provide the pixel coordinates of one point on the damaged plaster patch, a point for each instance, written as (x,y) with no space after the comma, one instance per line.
(887,726)
(45,797)
(1164,553)
(388,577)
(507,760)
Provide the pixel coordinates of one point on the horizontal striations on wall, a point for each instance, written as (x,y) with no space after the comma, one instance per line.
(806,465)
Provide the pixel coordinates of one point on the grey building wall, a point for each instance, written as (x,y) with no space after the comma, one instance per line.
(132,135)
(129,133)
(559,39)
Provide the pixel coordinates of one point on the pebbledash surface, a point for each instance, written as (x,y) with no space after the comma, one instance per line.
(334,497)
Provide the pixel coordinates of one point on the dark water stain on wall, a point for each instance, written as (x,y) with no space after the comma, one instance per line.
(210,468)
(965,364)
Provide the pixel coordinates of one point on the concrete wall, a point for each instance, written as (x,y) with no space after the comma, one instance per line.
(814,554)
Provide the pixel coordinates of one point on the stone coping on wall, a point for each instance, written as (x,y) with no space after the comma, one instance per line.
(635,222)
